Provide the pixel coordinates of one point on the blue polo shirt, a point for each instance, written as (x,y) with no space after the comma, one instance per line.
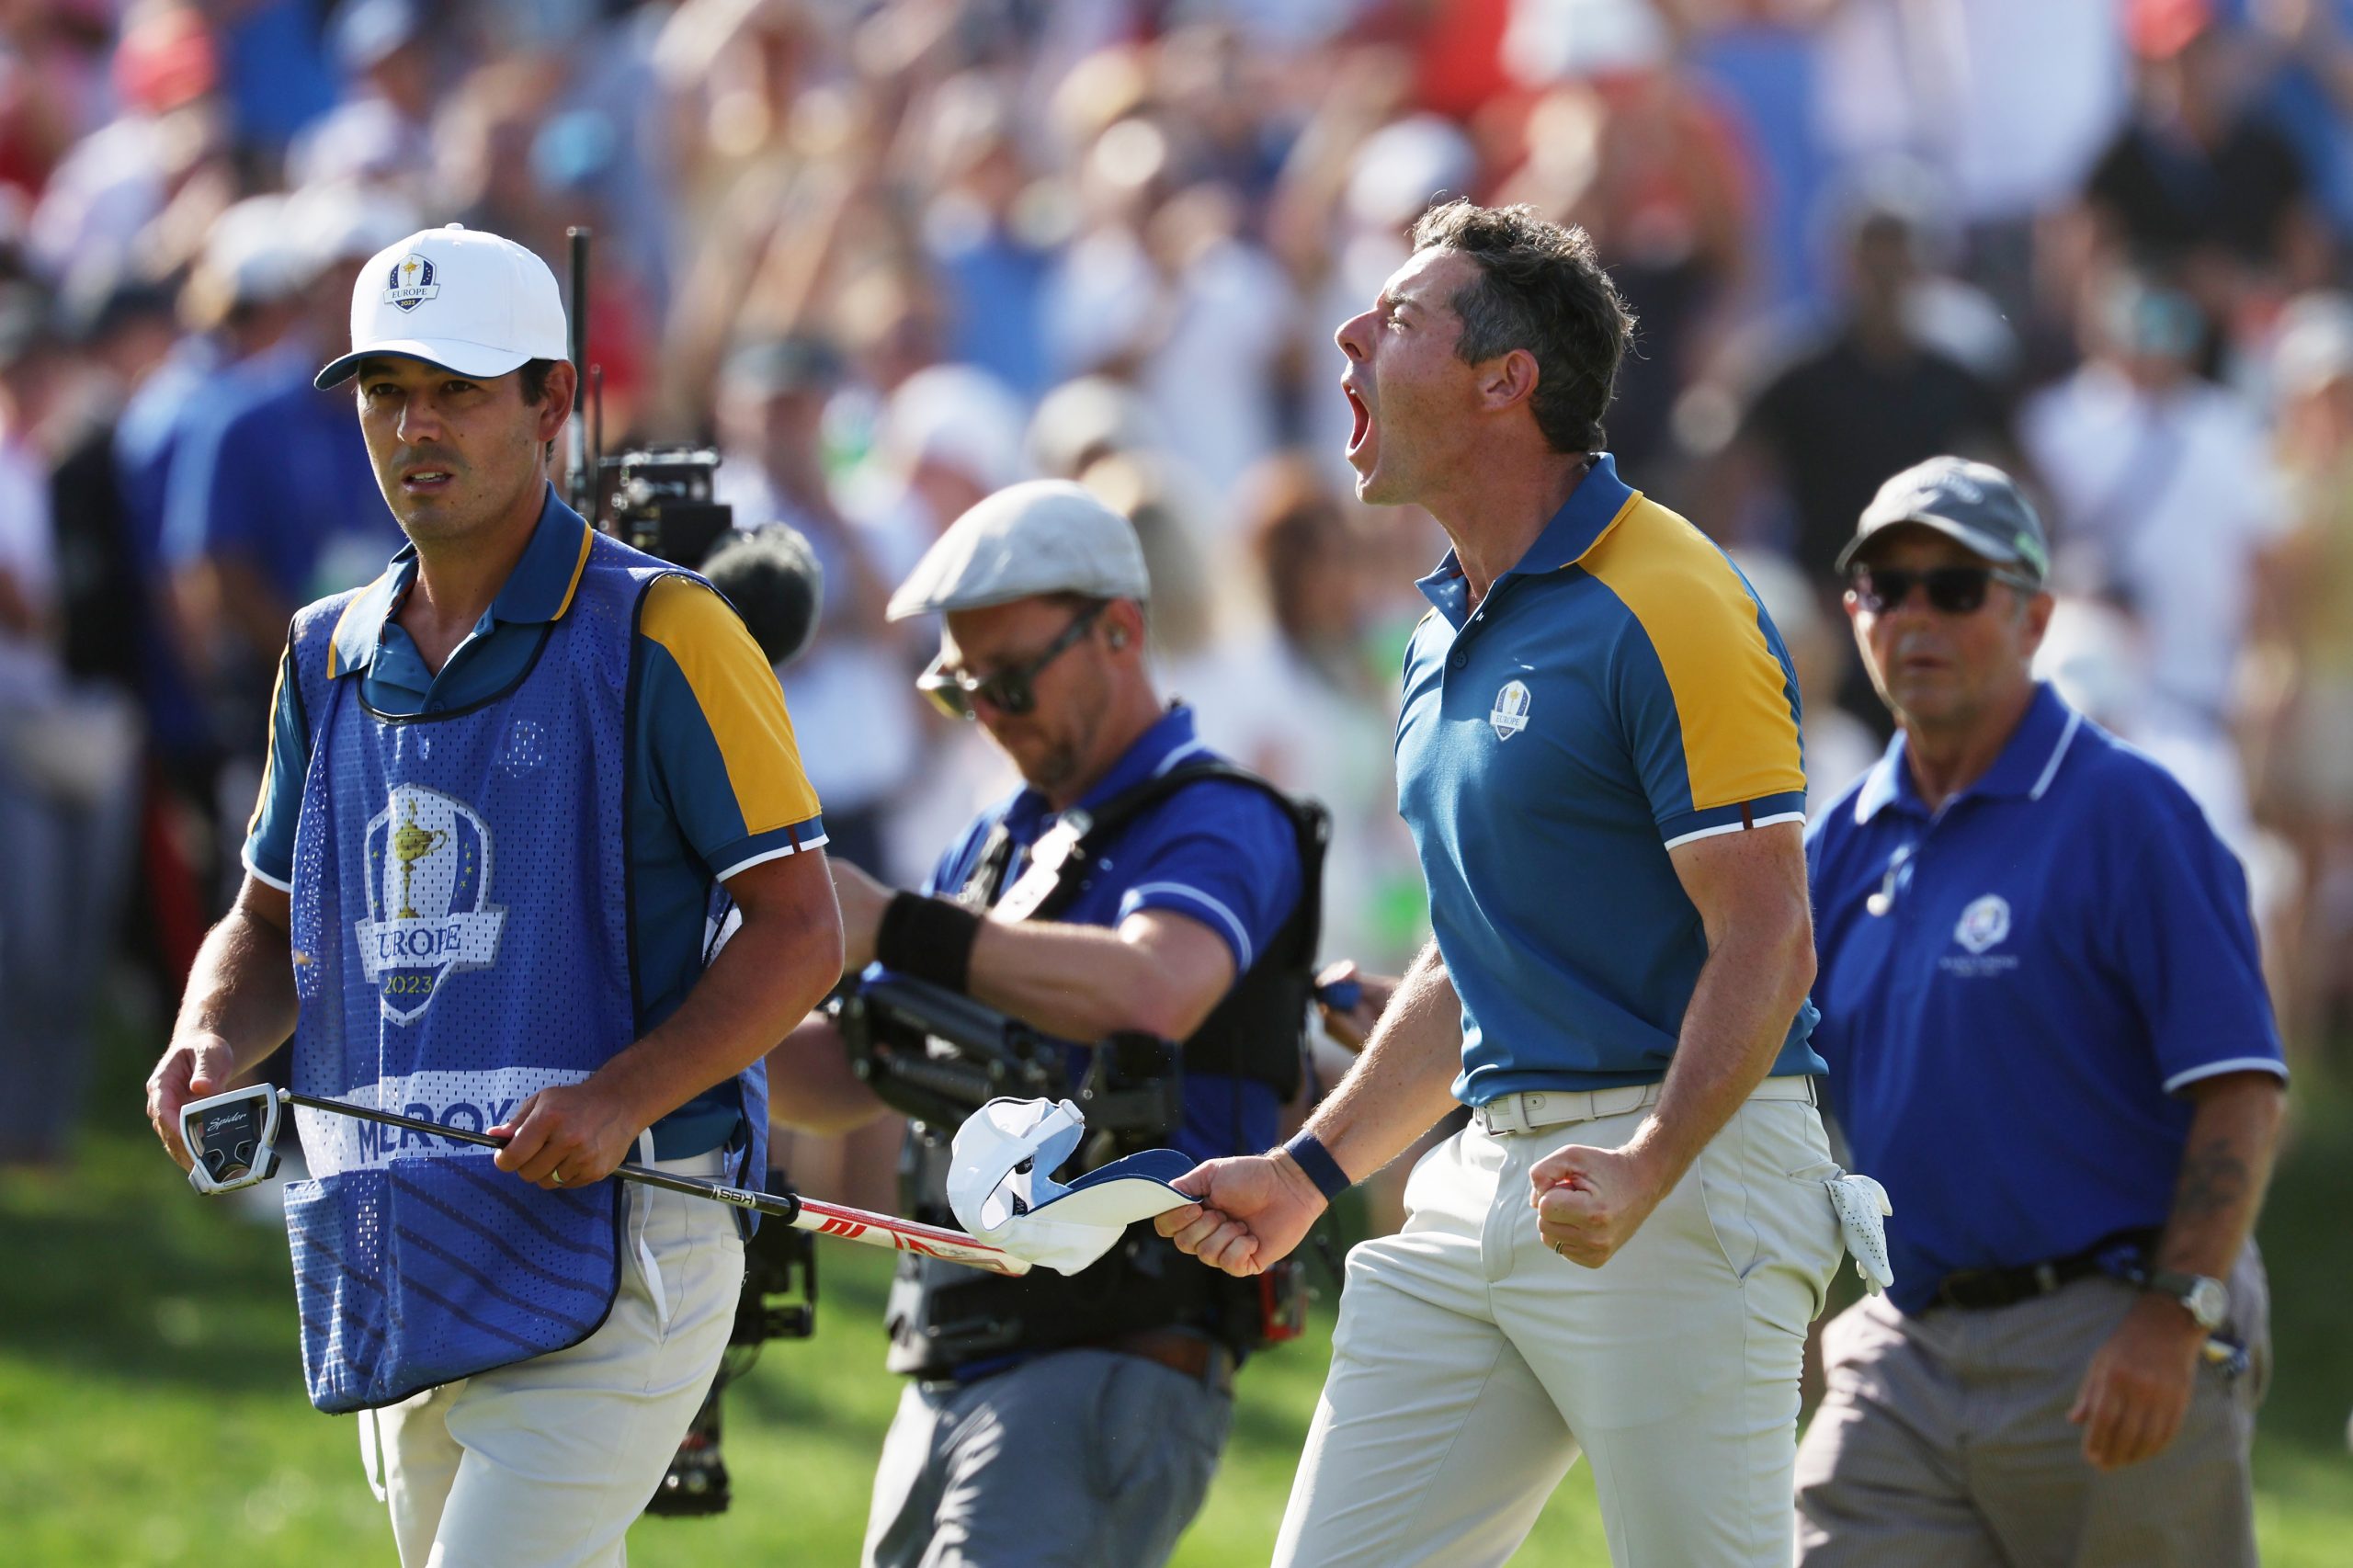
(1618,692)
(715,780)
(2014,990)
(147,440)
(275,472)
(1221,853)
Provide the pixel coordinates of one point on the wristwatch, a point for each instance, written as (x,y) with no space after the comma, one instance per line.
(2208,1298)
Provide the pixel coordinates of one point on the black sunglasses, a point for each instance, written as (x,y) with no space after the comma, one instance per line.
(1011,689)
(1953,590)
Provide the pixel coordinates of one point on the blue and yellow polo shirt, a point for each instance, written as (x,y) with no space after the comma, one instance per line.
(1618,692)
(716,783)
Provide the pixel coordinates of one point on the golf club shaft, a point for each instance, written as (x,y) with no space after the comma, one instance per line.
(800,1213)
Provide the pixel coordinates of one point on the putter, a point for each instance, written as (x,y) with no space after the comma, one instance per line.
(232,1136)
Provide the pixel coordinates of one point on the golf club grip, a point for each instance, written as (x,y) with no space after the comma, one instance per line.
(823,1219)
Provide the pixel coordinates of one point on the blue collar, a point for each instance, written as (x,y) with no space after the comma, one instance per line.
(539,589)
(1597,502)
(2029,761)
(1170,741)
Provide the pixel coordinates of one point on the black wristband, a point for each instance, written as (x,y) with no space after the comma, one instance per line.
(1307,1152)
(929,939)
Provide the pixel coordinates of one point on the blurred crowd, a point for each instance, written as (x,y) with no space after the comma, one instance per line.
(887,256)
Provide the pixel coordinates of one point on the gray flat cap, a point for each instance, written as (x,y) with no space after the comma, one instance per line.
(1047,536)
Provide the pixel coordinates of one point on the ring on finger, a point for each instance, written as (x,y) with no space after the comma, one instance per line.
(556,1176)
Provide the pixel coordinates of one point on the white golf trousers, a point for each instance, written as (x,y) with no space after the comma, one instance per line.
(1471,1365)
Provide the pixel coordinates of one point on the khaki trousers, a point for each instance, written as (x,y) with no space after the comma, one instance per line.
(1471,1365)
(1944,1442)
(547,1463)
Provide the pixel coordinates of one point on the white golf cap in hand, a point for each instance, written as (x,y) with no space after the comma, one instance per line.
(459,298)
(998,1186)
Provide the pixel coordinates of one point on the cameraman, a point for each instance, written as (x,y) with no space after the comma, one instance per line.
(1052,1420)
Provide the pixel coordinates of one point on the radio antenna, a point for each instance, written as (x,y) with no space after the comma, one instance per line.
(579,476)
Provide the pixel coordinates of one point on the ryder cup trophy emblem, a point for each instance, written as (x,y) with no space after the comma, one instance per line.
(410,845)
(410,283)
(429,914)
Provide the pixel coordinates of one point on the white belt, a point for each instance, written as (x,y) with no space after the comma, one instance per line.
(1533,1109)
(709,1163)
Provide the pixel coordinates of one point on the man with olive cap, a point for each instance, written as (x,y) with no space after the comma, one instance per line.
(2048,1036)
(1135,882)
(507,784)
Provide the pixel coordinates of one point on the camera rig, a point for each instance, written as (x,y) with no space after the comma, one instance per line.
(662,500)
(938,1056)
(658,499)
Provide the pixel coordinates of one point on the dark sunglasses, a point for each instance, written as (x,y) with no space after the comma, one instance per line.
(1953,590)
(1011,689)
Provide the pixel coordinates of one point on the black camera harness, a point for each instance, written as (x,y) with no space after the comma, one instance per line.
(945,1321)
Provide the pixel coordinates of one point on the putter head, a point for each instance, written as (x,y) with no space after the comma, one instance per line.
(233,1138)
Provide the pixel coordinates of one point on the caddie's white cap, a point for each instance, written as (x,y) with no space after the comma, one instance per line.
(459,298)
(1048,536)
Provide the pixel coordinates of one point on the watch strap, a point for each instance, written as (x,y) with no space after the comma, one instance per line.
(2191,1290)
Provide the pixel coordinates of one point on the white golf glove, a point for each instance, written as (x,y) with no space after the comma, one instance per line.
(1862,1205)
(999,1189)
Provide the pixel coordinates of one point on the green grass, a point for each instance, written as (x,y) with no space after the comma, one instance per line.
(152,1411)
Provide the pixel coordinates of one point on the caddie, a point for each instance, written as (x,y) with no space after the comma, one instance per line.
(508,784)
(2050,1038)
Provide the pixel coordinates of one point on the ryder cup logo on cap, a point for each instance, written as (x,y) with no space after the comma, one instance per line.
(466,301)
(412,282)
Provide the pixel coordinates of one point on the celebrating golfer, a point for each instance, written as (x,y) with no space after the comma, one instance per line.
(1598,759)
(506,783)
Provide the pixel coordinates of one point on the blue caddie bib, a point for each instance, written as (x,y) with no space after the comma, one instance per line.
(460,935)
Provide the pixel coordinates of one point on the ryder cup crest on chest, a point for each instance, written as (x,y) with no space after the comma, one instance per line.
(1509,715)
(429,914)
(1983,925)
